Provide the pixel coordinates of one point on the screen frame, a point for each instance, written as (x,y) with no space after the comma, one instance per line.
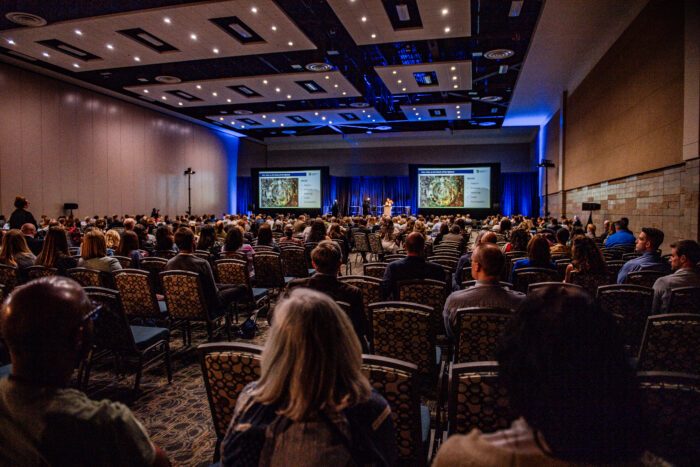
(495,204)
(255,178)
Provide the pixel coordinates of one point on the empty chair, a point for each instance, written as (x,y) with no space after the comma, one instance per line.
(645,278)
(374,269)
(235,271)
(260,248)
(123,260)
(112,333)
(396,381)
(138,294)
(683,300)
(631,305)
(375,245)
(427,292)
(34,272)
(477,331)
(268,270)
(361,243)
(523,277)
(154,266)
(86,277)
(9,277)
(294,262)
(371,288)
(671,343)
(227,368)
(477,399)
(672,406)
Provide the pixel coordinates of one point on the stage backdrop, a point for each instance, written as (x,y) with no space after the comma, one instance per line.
(518,192)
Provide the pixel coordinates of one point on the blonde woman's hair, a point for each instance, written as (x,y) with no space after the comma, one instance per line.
(312,359)
(13,243)
(112,239)
(94,245)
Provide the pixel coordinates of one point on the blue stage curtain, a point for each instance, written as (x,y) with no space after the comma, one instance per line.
(244,194)
(350,191)
(519,194)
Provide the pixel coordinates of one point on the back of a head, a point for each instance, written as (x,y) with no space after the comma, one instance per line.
(326,257)
(312,358)
(563,236)
(586,256)
(519,239)
(234,239)
(13,243)
(94,245)
(415,243)
(184,239)
(538,251)
(489,237)
(20,202)
(128,242)
(455,229)
(563,363)
(41,321)
(489,257)
(164,240)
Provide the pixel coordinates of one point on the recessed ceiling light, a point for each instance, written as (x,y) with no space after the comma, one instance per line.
(444,11)
(453,68)
(166,20)
(281,124)
(79,32)
(110,46)
(228,100)
(264,116)
(416,112)
(455,86)
(11,42)
(335,85)
(393,72)
(323,118)
(273,120)
(277,89)
(459,111)
(274,28)
(221,118)
(289,96)
(45,54)
(457,107)
(499,54)
(214,94)
(418,118)
(193,36)
(414,108)
(454,78)
(290,43)
(199,86)
(403,89)
(459,116)
(179,103)
(374,36)
(137,59)
(254,10)
(399,81)
(146,91)
(75,65)
(330,122)
(164,98)
(344,93)
(363,19)
(447,29)
(215,50)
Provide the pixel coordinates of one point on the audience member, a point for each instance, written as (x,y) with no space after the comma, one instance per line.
(312,404)
(129,223)
(518,240)
(562,237)
(165,242)
(484,236)
(46,325)
(621,237)
(538,256)
(93,253)
(208,241)
(486,263)
(129,248)
(648,243)
(54,253)
(590,231)
(317,232)
(289,237)
(265,237)
(112,240)
(15,252)
(34,244)
(586,258)
(608,226)
(414,266)
(685,256)
(21,214)
(387,235)
(563,364)
(234,244)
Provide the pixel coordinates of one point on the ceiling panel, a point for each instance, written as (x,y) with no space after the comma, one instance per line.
(351,116)
(450,76)
(428,112)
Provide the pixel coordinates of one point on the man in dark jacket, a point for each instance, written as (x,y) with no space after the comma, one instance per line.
(21,215)
(414,266)
(34,244)
(326,258)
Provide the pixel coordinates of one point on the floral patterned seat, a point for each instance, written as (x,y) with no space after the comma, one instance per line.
(35,272)
(155,266)
(138,294)
(371,288)
(294,262)
(523,277)
(630,305)
(644,278)
(86,277)
(684,300)
(477,332)
(8,277)
(374,269)
(427,292)
(671,343)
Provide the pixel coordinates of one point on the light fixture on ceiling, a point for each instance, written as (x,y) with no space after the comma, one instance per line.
(137,59)
(491,99)
(403,89)
(79,32)
(383,127)
(164,98)
(228,100)
(11,42)
(319,67)
(167,20)
(515,7)
(453,68)
(214,94)
(487,123)
(75,65)
(447,29)
(146,91)
(243,112)
(110,46)
(274,28)
(179,103)
(503,69)
(374,36)
(444,11)
(455,86)
(253,10)
(393,72)
(290,43)
(498,54)
(289,96)
(193,36)
(363,19)
(199,86)
(215,50)
(165,79)
(277,89)
(25,19)
(402,12)
(45,54)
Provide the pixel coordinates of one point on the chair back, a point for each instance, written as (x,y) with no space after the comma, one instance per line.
(447,252)
(477,332)
(511,258)
(371,289)
(204,254)
(227,368)
(374,269)
(294,262)
(561,285)
(393,257)
(124,261)
(375,244)
(165,254)
(614,267)
(427,292)
(154,266)
(644,278)
(671,343)
(403,330)
(630,305)
(8,277)
(590,281)
(446,246)
(232,271)
(562,265)
(35,272)
(268,270)
(137,293)
(396,381)
(629,256)
(308,248)
(477,399)
(561,256)
(448,262)
(672,406)
(110,327)
(361,242)
(86,277)
(184,295)
(523,277)
(684,300)
(259,248)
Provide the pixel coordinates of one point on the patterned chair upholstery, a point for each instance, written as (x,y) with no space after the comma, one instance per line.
(35,272)
(671,343)
(523,277)
(86,277)
(361,242)
(227,369)
(308,248)
(561,256)
(477,332)
(392,258)
(165,254)
(511,258)
(235,271)
(396,381)
(138,294)
(448,262)
(404,331)
(375,246)
(614,267)
(684,300)
(630,305)
(155,266)
(672,406)
(448,252)
(477,399)
(268,270)
(374,269)
(259,248)
(9,277)
(644,278)
(446,246)
(562,285)
(590,281)
(467,274)
(113,334)
(294,262)
(124,261)
(371,288)
(427,292)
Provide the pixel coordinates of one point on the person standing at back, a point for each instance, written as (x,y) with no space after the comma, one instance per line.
(21,214)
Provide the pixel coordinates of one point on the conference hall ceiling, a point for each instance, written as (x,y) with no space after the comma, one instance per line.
(274,68)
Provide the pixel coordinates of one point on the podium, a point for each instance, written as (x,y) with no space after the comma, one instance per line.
(387,210)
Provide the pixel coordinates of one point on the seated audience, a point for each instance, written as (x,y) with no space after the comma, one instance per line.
(455,236)
(145,243)
(590,231)
(326,259)
(15,252)
(317,232)
(413,266)
(562,237)
(288,237)
(621,237)
(538,256)
(586,258)
(208,241)
(165,242)
(518,240)
(563,364)
(685,256)
(234,244)
(487,264)
(218,297)
(55,253)
(34,244)
(93,253)
(265,237)
(484,236)
(112,240)
(648,243)
(46,325)
(278,420)
(387,235)
(129,248)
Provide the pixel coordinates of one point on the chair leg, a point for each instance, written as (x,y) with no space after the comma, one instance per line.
(168,366)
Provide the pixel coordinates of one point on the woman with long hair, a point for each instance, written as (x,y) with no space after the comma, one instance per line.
(312,391)
(54,253)
(112,239)
(208,241)
(93,253)
(15,251)
(234,244)
(318,232)
(165,242)
(519,239)
(129,247)
(586,258)
(265,237)
(538,256)
(388,236)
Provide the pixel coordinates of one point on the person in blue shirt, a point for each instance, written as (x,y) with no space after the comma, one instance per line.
(621,237)
(538,256)
(648,243)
